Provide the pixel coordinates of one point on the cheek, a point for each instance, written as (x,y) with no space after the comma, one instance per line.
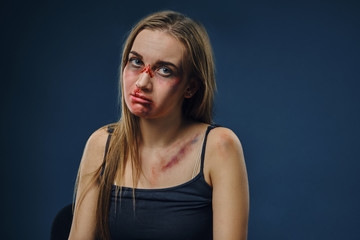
(173,84)
(129,77)
(177,86)
(176,82)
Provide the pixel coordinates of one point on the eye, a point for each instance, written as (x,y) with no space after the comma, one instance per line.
(165,71)
(135,62)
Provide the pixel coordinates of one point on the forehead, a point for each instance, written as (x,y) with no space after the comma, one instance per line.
(156,45)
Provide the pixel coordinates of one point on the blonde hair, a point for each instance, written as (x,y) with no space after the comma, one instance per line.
(126,136)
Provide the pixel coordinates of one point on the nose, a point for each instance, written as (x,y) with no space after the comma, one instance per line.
(144,80)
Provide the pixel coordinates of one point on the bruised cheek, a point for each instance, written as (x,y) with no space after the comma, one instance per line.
(176,82)
(129,77)
(129,81)
(173,84)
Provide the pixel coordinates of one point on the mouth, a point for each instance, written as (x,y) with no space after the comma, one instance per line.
(139,98)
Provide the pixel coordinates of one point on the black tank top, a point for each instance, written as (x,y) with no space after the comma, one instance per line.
(180,212)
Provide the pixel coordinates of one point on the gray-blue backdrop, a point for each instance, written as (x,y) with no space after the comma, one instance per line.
(288,85)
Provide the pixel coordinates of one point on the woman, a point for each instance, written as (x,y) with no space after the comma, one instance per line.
(167,173)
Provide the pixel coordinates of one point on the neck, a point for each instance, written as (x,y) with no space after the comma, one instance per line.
(161,132)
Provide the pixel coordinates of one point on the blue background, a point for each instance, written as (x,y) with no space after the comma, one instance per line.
(288,85)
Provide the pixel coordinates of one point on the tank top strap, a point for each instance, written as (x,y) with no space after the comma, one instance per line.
(204,147)
(110,130)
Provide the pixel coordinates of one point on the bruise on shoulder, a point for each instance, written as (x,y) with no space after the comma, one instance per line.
(225,142)
(173,157)
(180,153)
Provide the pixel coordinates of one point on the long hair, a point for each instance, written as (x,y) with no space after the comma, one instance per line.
(126,137)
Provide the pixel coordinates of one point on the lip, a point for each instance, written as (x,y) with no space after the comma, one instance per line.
(135,97)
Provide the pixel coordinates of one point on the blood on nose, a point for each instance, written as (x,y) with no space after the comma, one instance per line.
(147,70)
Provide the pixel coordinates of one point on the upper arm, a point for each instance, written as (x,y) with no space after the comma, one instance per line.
(228,177)
(83,224)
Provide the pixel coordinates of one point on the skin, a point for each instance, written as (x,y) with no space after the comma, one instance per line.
(175,159)
(154,71)
(170,144)
(83,224)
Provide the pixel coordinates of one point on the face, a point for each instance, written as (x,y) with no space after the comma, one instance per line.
(154,82)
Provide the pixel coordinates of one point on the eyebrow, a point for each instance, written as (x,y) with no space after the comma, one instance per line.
(158,62)
(136,54)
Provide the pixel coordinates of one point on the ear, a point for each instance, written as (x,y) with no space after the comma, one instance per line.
(191,88)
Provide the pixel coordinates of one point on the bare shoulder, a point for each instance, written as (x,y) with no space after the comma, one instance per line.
(94,150)
(229,180)
(223,141)
(96,139)
(224,155)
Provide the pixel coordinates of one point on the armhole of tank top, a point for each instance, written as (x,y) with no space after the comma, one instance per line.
(204,148)
(110,131)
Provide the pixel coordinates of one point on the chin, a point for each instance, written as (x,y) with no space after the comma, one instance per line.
(139,110)
(143,112)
